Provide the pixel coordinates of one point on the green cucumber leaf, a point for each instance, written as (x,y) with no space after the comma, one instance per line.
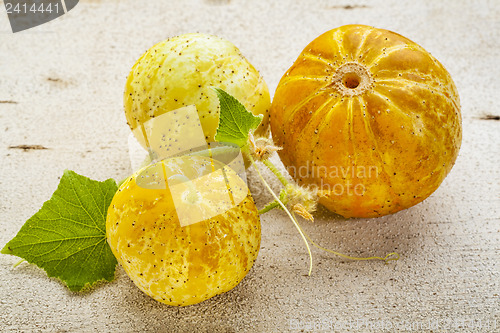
(67,236)
(235,121)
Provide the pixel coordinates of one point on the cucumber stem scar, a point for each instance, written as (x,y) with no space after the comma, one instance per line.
(352,79)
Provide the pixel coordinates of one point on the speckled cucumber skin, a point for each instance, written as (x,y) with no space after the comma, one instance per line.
(394,135)
(181,265)
(183,71)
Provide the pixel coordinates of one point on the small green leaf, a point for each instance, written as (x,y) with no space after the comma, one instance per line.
(67,236)
(235,121)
